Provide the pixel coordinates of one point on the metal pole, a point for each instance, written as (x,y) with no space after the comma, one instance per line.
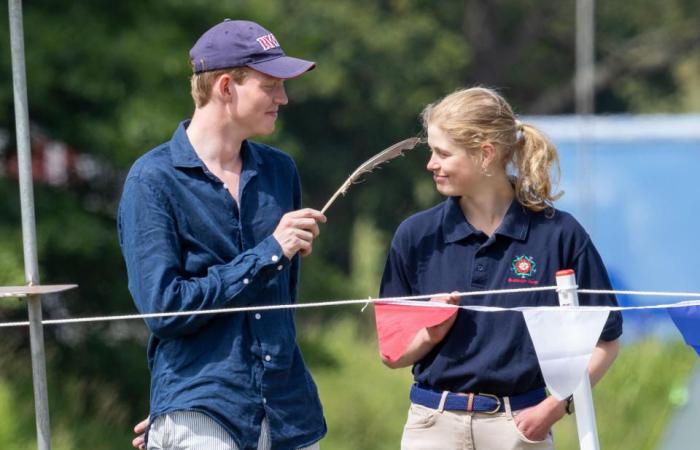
(585,57)
(585,102)
(583,396)
(26,192)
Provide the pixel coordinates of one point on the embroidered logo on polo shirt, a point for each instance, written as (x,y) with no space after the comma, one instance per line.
(267,42)
(523,268)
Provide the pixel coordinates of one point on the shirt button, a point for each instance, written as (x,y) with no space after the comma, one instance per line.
(257,316)
(479,268)
(268,358)
(264,401)
(225,186)
(280,267)
(246,281)
(275,258)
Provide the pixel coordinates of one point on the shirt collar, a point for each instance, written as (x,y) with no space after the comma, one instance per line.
(183,154)
(455,226)
(516,223)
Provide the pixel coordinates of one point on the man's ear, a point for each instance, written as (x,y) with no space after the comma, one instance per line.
(224,86)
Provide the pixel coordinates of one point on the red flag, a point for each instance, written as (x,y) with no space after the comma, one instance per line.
(398,324)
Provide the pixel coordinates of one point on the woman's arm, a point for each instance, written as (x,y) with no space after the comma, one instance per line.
(426,339)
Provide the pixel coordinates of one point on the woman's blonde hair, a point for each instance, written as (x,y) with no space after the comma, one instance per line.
(475,116)
(202,83)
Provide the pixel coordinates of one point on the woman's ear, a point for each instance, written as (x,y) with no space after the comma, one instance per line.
(488,155)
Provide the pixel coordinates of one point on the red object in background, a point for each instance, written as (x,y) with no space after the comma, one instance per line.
(398,324)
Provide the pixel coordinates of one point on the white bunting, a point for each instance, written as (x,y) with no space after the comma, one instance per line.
(564,341)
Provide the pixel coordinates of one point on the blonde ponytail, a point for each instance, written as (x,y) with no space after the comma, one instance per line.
(533,159)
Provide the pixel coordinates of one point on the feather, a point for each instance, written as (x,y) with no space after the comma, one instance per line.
(384,156)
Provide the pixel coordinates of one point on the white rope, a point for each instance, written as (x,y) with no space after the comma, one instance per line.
(406,300)
(641,293)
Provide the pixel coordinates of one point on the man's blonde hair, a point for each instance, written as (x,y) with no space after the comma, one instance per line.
(202,83)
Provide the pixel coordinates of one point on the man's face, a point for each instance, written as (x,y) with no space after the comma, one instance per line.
(256,102)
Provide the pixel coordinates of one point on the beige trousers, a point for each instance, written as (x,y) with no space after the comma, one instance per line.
(432,429)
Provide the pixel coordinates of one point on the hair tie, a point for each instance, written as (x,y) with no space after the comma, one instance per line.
(519,125)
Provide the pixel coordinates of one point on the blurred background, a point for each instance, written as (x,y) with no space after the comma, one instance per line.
(107,81)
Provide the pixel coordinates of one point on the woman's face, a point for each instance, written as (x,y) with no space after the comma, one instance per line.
(455,172)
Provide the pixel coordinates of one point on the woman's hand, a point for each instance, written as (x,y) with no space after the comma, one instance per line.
(536,421)
(438,332)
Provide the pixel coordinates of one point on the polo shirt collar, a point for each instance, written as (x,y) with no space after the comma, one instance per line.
(183,155)
(455,226)
(516,222)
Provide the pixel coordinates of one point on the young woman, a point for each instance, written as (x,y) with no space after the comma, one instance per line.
(477,380)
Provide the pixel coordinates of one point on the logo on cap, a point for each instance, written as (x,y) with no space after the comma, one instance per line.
(268,41)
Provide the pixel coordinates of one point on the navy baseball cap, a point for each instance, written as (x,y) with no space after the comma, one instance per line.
(241,43)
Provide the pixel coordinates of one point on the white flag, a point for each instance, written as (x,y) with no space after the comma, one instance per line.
(564,341)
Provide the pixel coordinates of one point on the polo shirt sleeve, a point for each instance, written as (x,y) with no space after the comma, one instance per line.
(395,280)
(591,274)
(151,247)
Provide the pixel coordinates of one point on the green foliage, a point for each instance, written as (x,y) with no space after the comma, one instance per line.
(111,79)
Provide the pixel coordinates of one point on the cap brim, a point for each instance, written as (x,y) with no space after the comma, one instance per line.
(283,67)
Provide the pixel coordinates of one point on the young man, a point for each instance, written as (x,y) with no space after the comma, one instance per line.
(211,220)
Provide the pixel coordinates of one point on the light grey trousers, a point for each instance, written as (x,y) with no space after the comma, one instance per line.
(192,430)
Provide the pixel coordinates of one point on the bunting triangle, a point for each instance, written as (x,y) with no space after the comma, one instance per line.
(398,324)
(564,342)
(687,320)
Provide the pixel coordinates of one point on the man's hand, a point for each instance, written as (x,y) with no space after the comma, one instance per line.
(297,231)
(437,333)
(536,421)
(140,442)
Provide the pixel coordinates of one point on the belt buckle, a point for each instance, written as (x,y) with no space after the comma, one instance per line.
(498,403)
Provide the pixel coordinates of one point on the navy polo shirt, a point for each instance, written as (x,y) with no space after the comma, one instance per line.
(189,246)
(437,250)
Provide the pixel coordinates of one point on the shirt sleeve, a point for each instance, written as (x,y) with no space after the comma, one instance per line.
(395,281)
(591,274)
(295,266)
(151,247)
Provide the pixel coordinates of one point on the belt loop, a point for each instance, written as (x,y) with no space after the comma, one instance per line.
(506,405)
(443,399)
(470,402)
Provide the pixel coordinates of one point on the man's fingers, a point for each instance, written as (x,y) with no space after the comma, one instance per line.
(306,224)
(139,443)
(314,214)
(141,426)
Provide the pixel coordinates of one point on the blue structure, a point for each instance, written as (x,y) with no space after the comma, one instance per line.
(633,183)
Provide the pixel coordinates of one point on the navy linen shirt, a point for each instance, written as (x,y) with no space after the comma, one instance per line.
(437,250)
(188,246)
